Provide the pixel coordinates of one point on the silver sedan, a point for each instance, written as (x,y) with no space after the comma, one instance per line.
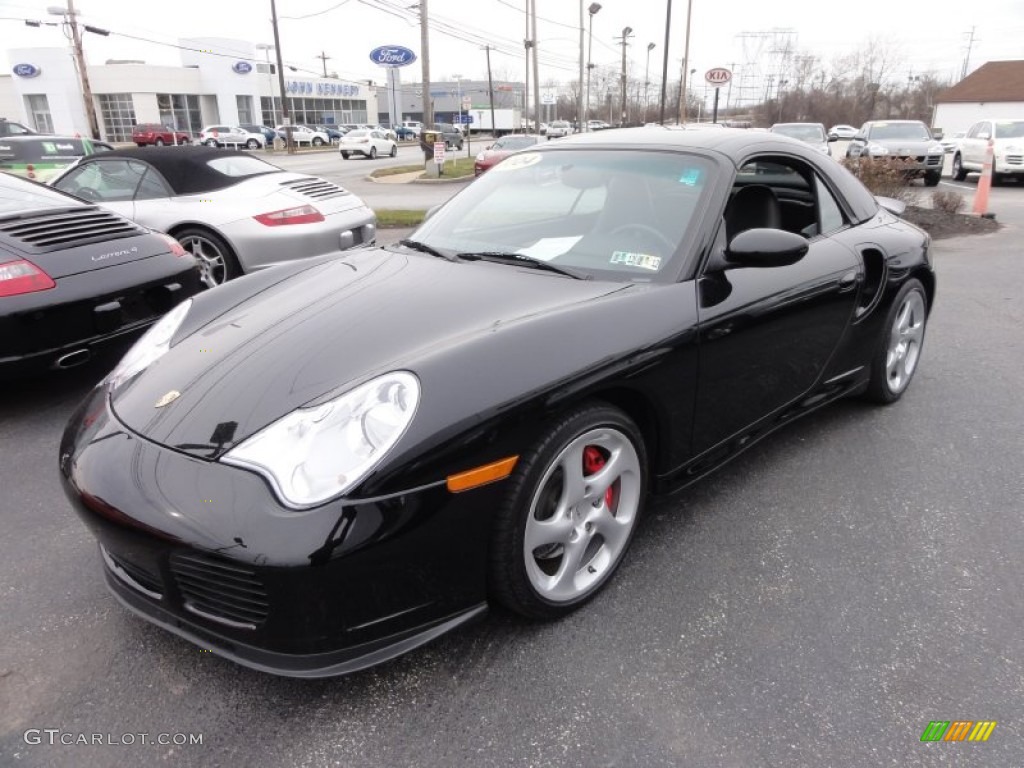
(234,212)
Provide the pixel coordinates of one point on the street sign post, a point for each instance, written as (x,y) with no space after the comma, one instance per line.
(717,77)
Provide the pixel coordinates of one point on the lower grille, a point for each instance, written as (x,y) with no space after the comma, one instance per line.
(220,590)
(1014,159)
(133,575)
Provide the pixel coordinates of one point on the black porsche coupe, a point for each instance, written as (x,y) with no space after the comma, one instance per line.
(326,464)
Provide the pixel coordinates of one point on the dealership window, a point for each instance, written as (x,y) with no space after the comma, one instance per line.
(313,111)
(39,112)
(118,114)
(180,111)
(244,109)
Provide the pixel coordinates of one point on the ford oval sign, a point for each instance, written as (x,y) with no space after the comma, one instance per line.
(26,70)
(242,67)
(392,56)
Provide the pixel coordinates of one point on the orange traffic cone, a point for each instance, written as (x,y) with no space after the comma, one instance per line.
(985,182)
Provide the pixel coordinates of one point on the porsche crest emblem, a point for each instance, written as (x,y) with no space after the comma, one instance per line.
(167,399)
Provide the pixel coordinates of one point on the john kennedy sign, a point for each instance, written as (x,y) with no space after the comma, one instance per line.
(392,56)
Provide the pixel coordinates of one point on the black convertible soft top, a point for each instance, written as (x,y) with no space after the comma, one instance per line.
(187,169)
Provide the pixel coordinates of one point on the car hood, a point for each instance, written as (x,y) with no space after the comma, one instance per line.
(907,146)
(267,345)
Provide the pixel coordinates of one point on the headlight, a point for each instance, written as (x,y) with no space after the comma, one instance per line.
(877,149)
(151,347)
(936,149)
(314,454)
(1011,148)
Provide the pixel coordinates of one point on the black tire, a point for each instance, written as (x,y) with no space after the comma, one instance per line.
(532,489)
(252,144)
(997,179)
(159,142)
(373,153)
(211,143)
(394,150)
(880,387)
(959,174)
(344,155)
(317,141)
(931,178)
(230,268)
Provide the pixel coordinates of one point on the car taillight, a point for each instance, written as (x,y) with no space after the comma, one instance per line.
(304,214)
(18,277)
(176,248)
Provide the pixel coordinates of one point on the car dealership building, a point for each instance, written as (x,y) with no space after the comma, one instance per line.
(219,81)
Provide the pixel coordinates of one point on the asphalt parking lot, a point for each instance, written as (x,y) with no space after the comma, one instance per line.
(816,603)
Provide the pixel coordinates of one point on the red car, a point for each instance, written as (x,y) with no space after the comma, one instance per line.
(159,135)
(501,149)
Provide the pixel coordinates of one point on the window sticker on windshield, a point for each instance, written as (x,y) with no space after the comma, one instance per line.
(642,260)
(514,162)
(549,248)
(690,177)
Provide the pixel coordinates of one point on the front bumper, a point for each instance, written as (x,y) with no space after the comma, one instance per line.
(206,551)
(1009,164)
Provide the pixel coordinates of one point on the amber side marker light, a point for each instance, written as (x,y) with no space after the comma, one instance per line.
(488,473)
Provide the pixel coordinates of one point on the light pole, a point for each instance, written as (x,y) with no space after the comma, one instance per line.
(579,88)
(593,9)
(270,79)
(647,79)
(664,65)
(627,32)
(458,96)
(83,73)
(686,60)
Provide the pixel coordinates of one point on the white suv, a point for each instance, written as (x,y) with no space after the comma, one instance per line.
(231,136)
(1007,144)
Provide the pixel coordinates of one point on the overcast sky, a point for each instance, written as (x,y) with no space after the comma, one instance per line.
(929,36)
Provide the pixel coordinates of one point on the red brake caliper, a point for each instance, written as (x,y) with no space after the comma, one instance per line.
(593,461)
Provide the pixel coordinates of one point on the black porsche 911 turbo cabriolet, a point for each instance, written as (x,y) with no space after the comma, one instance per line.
(324,465)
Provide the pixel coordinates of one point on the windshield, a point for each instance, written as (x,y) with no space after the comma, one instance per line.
(801,131)
(910,131)
(514,142)
(1010,129)
(611,214)
(356,134)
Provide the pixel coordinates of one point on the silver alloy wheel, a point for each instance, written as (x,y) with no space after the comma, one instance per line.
(212,263)
(905,339)
(580,520)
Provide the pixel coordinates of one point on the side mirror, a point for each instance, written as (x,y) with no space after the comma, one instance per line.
(765,248)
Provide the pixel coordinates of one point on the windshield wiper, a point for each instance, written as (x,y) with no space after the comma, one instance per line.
(521,260)
(416,245)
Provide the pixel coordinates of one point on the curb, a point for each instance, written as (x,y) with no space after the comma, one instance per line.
(460,180)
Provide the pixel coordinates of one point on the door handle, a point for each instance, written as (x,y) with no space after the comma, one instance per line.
(848,281)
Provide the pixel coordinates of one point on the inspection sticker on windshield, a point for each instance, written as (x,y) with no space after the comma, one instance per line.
(690,177)
(642,260)
(524,160)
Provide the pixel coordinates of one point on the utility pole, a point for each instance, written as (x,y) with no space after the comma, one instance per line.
(286,116)
(83,72)
(579,92)
(664,64)
(323,58)
(686,62)
(536,72)
(428,105)
(627,32)
(594,8)
(490,91)
(967,58)
(527,43)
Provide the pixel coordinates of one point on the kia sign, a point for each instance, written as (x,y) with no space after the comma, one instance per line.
(392,56)
(242,67)
(26,70)
(718,76)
